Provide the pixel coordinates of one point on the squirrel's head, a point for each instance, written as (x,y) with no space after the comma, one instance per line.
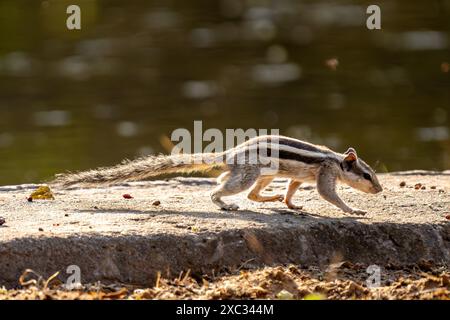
(358,174)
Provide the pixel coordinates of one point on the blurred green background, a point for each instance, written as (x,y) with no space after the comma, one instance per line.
(72,100)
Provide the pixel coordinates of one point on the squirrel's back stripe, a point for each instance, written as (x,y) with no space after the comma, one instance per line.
(283,149)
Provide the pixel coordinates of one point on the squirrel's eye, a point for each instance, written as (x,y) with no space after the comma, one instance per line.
(367,176)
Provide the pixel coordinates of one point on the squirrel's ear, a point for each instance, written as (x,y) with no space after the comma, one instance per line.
(350,150)
(350,157)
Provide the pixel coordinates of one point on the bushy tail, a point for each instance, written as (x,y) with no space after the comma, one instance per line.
(142,168)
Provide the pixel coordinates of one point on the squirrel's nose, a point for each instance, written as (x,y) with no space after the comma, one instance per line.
(377,189)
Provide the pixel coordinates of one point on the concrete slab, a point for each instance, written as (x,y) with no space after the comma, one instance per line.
(113,239)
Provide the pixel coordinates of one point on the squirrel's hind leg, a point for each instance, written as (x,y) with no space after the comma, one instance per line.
(223,176)
(238,180)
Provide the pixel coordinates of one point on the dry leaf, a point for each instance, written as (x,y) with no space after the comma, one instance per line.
(117,294)
(42,193)
(315,296)
(50,279)
(24,283)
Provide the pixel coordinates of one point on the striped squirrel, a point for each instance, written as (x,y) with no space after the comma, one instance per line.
(297,160)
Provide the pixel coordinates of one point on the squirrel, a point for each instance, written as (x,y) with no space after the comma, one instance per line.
(297,160)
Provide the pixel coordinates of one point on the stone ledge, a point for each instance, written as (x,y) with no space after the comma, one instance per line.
(113,239)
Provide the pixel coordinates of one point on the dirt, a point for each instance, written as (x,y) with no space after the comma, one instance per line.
(339,281)
(172,225)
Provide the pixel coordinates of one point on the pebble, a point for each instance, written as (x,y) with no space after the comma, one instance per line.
(156,203)
(332,63)
(402,184)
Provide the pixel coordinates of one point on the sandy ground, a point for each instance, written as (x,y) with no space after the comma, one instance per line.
(185,207)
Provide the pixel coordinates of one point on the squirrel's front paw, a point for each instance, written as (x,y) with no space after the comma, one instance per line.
(358,212)
(294,207)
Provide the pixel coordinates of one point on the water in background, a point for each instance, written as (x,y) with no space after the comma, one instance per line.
(137,70)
